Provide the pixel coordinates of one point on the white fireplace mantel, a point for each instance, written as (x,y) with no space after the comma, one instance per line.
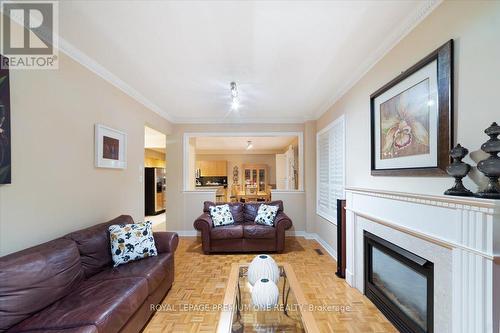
(460,235)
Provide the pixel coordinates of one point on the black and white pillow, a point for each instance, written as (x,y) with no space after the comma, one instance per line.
(221,215)
(266,215)
(131,242)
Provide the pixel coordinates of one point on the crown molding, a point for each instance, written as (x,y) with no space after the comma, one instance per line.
(92,65)
(239,152)
(387,45)
(240,120)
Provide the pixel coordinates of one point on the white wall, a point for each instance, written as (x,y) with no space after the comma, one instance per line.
(475,28)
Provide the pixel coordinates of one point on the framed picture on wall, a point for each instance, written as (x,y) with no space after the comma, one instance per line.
(5,142)
(110,148)
(411,119)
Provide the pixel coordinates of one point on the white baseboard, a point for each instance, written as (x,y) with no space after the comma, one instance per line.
(310,235)
(300,233)
(331,251)
(349,278)
(185,233)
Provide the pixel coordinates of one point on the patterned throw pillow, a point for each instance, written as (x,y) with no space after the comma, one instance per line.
(266,215)
(221,215)
(131,242)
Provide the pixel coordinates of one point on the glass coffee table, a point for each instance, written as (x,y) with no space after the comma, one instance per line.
(291,314)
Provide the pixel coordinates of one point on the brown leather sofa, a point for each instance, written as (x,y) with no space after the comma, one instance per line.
(244,235)
(69,285)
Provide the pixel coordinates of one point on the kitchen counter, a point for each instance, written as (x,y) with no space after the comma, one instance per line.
(220,191)
(210,186)
(251,197)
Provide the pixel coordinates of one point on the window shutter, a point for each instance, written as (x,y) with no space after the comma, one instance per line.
(323,172)
(331,174)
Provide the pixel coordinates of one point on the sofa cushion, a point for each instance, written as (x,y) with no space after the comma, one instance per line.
(232,231)
(250,209)
(266,215)
(236,209)
(106,304)
(253,230)
(131,242)
(34,278)
(93,244)
(221,215)
(153,269)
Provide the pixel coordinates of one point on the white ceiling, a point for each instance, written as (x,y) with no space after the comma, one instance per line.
(290,59)
(154,139)
(232,144)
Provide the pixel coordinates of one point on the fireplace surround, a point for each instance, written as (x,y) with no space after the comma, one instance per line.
(400,284)
(460,236)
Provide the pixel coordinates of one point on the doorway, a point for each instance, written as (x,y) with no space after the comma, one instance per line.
(243,167)
(155,199)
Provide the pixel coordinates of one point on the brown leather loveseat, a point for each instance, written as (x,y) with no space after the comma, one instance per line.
(68,284)
(244,235)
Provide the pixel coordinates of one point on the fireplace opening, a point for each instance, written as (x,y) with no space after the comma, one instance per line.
(400,284)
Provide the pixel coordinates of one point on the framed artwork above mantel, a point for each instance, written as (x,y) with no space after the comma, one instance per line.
(411,119)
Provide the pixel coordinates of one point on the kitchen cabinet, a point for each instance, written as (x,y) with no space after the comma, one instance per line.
(212,168)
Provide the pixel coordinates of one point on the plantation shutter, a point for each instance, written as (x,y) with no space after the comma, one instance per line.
(330,160)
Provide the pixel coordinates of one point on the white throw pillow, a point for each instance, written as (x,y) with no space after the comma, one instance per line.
(131,242)
(221,215)
(266,215)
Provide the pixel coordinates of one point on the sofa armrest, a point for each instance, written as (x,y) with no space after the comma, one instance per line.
(166,242)
(204,224)
(282,222)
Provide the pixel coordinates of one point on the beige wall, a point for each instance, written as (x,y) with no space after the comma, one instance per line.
(310,174)
(294,202)
(239,160)
(475,28)
(180,214)
(55,187)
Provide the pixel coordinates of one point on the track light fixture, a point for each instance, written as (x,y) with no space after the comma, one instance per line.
(235,101)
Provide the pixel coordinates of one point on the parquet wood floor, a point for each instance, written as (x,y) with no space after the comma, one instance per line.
(200,281)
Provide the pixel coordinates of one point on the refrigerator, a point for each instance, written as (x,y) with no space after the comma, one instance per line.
(154,190)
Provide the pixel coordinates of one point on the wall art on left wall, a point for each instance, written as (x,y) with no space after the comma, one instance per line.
(110,148)
(5,142)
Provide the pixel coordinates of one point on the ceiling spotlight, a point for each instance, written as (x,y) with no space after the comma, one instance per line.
(235,101)
(249,145)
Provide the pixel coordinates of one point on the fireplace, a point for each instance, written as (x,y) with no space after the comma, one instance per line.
(400,284)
